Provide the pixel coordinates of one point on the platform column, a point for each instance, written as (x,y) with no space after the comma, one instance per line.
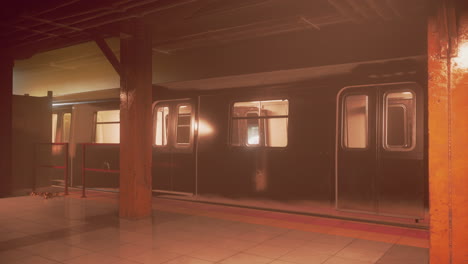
(6,97)
(135,121)
(448,132)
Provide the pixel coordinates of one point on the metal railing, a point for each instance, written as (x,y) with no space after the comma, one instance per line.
(83,164)
(64,167)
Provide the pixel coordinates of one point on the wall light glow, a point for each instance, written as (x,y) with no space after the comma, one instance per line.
(462,58)
(204,128)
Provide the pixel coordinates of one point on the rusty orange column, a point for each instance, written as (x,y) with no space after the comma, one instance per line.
(448,132)
(135,121)
(6,97)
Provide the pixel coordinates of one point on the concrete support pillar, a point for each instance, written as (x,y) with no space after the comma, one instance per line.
(448,132)
(135,121)
(6,98)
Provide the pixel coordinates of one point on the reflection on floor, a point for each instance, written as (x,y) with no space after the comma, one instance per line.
(317,208)
(74,230)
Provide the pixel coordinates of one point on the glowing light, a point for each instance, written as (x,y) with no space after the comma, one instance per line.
(204,128)
(462,58)
(253,135)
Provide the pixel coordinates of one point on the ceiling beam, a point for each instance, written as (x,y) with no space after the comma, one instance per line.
(89,24)
(377,7)
(107,51)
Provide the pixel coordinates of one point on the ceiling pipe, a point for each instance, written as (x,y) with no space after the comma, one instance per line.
(45,21)
(307,21)
(369,9)
(233,8)
(29,29)
(118,7)
(46,10)
(379,10)
(361,8)
(345,10)
(70,15)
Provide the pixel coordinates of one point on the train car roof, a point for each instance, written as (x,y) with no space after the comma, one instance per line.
(293,75)
(384,66)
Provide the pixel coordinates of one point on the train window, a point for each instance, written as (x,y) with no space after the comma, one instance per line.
(54,126)
(399,121)
(253,129)
(355,122)
(260,123)
(161,125)
(108,126)
(184,125)
(66,122)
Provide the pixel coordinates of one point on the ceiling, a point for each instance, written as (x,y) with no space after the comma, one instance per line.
(28,27)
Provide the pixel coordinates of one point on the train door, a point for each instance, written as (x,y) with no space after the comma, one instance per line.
(61,128)
(379,151)
(173,146)
(61,124)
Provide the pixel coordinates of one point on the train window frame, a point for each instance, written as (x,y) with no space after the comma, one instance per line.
(343,121)
(413,136)
(178,145)
(58,136)
(168,125)
(260,131)
(96,123)
(261,144)
(172,145)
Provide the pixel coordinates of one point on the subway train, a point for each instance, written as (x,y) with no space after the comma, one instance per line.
(350,136)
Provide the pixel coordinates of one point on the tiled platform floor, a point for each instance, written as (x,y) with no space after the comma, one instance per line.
(73,230)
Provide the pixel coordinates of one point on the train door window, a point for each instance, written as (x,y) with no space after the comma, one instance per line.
(399,121)
(107,126)
(54,126)
(66,122)
(253,129)
(275,123)
(184,125)
(161,123)
(355,122)
(260,123)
